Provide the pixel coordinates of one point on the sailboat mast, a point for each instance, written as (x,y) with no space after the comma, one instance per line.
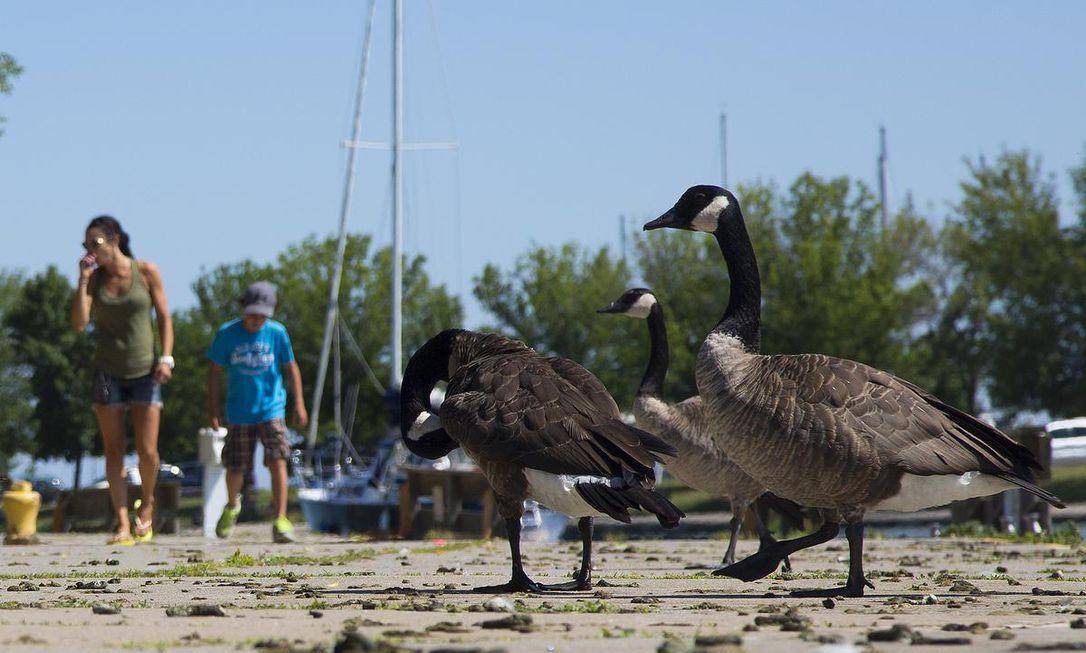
(884,209)
(341,245)
(397,193)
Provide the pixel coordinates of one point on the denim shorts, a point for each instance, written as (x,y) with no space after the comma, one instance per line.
(112,391)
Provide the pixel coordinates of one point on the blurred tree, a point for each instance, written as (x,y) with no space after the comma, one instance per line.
(549,300)
(1025,273)
(16,420)
(59,362)
(301,273)
(9,70)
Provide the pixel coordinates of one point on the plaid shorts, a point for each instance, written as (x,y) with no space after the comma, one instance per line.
(237,452)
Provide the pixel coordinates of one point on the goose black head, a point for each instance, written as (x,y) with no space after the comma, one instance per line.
(701,208)
(635,302)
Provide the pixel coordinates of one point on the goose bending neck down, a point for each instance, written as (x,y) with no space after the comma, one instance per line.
(538,427)
(701,462)
(826,432)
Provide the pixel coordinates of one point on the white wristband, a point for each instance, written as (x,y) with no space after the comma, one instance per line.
(166,360)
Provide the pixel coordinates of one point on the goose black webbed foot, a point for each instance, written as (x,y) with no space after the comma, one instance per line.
(516,584)
(753,567)
(575,585)
(849,589)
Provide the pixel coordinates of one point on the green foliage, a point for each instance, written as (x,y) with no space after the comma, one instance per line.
(1020,285)
(302,275)
(9,70)
(16,422)
(833,281)
(59,361)
(549,300)
(1063,532)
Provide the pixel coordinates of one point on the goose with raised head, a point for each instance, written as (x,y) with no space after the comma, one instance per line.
(701,462)
(827,432)
(540,428)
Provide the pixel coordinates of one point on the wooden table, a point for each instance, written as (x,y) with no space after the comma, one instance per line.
(448,490)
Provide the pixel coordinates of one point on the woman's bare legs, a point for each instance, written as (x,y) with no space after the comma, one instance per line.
(111,425)
(145,420)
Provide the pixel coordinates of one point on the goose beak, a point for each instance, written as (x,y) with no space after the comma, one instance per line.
(613,307)
(669,219)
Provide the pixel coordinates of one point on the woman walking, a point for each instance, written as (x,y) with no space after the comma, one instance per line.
(118,292)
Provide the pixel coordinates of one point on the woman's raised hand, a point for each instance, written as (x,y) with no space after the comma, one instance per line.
(87,265)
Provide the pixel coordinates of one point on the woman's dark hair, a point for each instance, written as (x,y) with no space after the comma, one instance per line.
(109,225)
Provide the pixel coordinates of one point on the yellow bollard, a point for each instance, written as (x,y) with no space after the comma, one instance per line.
(20,505)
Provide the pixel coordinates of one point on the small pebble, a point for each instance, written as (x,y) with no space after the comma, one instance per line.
(105,608)
(828,604)
(499,604)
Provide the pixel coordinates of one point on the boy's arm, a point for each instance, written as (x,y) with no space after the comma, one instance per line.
(301,417)
(213,413)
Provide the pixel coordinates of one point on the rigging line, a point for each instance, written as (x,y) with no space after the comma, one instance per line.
(352,344)
(441,68)
(458,224)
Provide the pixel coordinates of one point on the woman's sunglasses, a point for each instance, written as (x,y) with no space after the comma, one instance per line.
(94,243)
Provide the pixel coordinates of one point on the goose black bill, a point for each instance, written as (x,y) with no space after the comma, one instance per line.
(669,219)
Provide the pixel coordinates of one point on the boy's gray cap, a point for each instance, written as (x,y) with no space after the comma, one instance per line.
(259,299)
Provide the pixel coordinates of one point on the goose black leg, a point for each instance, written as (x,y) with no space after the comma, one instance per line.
(765,538)
(856,582)
(764,562)
(583,581)
(520,581)
(736,524)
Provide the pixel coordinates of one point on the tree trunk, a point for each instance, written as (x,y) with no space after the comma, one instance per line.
(78,474)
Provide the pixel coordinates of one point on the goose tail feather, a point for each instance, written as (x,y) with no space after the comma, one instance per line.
(1032,488)
(616,502)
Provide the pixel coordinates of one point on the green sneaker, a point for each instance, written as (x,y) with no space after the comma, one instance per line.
(282,531)
(226,522)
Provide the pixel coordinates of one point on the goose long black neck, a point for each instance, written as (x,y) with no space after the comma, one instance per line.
(428,365)
(742,317)
(652,384)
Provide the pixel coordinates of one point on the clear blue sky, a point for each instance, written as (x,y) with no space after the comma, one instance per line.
(211,129)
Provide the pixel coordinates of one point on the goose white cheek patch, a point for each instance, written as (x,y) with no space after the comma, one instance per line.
(423,424)
(641,308)
(707,218)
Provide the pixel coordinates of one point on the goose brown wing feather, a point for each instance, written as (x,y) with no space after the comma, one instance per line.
(855,407)
(519,410)
(591,386)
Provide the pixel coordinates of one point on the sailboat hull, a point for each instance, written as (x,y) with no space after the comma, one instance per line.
(328,512)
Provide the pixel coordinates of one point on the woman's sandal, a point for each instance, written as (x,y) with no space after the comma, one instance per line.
(121,539)
(143,531)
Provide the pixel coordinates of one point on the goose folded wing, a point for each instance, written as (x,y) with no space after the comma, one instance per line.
(684,420)
(536,419)
(902,424)
(592,388)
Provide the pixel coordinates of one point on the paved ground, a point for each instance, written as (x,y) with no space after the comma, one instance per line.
(416,595)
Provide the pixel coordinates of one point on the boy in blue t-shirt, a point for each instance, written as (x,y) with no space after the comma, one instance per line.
(256,352)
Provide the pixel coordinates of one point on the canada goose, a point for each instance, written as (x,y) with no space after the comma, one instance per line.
(701,462)
(538,427)
(826,432)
